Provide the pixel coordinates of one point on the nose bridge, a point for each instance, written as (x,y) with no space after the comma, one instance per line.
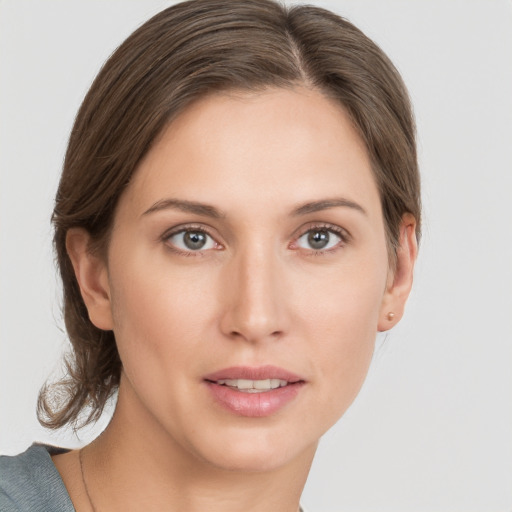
(254,310)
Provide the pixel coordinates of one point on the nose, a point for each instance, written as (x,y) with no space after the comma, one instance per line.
(253,303)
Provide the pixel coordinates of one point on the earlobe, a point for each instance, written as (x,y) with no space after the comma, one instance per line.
(400,280)
(92,277)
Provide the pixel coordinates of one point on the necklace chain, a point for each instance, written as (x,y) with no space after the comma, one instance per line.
(80,458)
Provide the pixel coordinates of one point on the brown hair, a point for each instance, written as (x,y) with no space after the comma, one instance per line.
(183,53)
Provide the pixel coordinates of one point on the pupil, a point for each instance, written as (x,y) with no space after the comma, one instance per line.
(194,239)
(318,239)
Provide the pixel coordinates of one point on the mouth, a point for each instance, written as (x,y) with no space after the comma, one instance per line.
(253,386)
(254,392)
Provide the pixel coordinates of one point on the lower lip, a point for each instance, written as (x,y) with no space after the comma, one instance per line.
(254,405)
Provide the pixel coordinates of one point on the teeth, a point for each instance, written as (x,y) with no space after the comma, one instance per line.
(253,386)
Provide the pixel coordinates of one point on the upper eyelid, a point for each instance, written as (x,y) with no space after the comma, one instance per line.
(344,233)
(186,227)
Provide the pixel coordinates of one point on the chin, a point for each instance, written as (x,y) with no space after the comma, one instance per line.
(254,457)
(257,452)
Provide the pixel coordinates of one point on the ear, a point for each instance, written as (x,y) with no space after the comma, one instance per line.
(92,276)
(400,278)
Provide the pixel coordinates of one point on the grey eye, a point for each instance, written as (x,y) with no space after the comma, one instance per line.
(319,239)
(192,240)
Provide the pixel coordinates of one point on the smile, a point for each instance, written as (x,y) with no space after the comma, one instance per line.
(254,392)
(253,386)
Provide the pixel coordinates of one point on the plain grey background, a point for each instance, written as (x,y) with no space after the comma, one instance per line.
(432,427)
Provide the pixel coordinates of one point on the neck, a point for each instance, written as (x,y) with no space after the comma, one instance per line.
(136,464)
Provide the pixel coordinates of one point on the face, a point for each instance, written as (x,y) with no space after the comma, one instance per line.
(247,274)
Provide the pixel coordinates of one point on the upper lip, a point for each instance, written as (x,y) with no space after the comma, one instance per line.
(254,373)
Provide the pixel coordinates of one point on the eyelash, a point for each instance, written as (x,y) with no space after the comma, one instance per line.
(330,228)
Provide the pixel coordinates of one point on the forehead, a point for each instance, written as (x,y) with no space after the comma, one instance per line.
(241,149)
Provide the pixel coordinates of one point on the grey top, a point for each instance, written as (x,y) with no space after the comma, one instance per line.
(30,482)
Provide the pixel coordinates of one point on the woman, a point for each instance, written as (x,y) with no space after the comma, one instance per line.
(237,218)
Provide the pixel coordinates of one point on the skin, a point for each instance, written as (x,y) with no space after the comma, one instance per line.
(256,294)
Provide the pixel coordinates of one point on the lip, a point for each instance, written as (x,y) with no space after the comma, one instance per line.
(254,405)
(254,373)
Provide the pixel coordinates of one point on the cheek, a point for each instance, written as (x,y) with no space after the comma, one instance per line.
(156,316)
(345,302)
(342,328)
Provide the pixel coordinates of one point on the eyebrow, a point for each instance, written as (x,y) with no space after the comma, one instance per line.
(202,209)
(325,204)
(207,210)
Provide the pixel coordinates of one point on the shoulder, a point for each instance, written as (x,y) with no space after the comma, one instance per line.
(30,482)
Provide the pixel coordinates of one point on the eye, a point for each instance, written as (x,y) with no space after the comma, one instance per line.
(190,240)
(319,239)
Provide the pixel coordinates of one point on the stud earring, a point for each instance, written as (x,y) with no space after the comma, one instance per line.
(390,316)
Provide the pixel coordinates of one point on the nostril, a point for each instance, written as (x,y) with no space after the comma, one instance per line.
(255,337)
